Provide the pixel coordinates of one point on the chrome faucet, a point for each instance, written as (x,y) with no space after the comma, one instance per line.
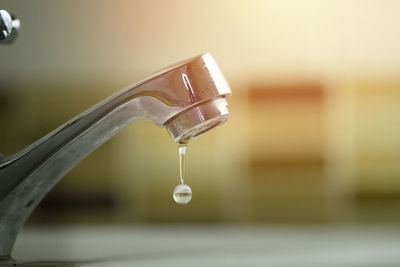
(188,99)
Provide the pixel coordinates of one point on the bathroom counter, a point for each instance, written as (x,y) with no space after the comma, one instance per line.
(199,245)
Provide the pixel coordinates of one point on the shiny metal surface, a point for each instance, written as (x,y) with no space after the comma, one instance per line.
(9,27)
(198,120)
(5,24)
(191,89)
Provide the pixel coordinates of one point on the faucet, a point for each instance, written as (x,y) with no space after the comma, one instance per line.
(188,99)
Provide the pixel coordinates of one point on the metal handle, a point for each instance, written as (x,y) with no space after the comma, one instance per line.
(9,27)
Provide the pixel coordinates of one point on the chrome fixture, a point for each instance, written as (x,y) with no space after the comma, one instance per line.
(188,99)
(9,27)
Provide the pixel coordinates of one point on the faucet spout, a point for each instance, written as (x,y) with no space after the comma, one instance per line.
(188,99)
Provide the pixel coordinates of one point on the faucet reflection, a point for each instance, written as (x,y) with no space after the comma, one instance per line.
(188,99)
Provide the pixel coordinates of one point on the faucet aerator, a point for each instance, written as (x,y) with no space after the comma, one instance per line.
(197,120)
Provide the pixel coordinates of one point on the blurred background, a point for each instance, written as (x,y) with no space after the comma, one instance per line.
(315,117)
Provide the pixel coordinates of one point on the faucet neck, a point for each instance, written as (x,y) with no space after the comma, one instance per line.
(26,180)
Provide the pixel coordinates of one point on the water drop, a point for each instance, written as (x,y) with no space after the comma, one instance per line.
(182,194)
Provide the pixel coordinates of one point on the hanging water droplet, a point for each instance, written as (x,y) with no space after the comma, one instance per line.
(182,194)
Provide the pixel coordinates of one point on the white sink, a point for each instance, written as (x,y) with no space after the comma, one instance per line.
(209,246)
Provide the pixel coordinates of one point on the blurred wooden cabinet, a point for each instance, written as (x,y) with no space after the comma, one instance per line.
(293,151)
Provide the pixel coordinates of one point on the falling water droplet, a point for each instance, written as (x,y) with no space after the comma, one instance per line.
(182,192)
